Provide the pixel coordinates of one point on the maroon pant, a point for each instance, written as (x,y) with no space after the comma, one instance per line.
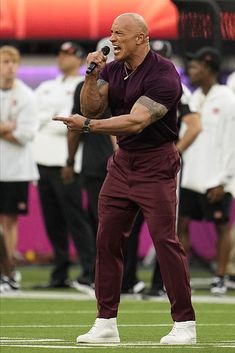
(141,180)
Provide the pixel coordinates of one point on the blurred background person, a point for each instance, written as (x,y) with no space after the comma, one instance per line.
(189,126)
(97,149)
(231,81)
(209,162)
(61,199)
(18,126)
(230,279)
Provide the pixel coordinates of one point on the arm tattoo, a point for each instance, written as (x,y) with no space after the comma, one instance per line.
(101,83)
(157,110)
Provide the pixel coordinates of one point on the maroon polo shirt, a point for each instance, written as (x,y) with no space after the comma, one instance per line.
(155,78)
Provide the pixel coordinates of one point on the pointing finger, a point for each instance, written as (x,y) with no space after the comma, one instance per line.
(60,118)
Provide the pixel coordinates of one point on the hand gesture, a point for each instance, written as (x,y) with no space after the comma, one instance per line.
(73,122)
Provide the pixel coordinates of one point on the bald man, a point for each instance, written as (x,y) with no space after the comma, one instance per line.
(142,90)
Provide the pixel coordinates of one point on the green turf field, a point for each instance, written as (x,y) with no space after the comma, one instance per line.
(50,321)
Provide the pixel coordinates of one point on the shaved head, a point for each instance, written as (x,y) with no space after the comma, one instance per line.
(130,39)
(137,19)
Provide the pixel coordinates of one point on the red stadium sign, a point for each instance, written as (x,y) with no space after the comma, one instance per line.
(81,19)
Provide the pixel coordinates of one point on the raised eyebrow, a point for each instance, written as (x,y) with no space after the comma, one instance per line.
(153,106)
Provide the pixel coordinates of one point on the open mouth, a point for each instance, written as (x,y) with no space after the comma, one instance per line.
(116,49)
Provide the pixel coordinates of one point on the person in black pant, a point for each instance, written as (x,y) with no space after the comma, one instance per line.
(61,199)
(61,204)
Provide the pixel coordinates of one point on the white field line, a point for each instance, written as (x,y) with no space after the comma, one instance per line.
(31,339)
(130,345)
(23,342)
(121,325)
(47,295)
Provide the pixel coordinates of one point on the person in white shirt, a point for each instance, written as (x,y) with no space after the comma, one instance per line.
(230,280)
(231,81)
(18,125)
(209,161)
(61,201)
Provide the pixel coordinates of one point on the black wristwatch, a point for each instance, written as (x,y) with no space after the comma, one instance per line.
(86,126)
(70,162)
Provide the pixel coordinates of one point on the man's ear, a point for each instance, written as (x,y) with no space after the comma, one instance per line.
(140,38)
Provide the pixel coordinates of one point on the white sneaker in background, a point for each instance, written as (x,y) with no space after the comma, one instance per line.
(8,285)
(16,276)
(138,287)
(84,287)
(182,333)
(218,286)
(103,331)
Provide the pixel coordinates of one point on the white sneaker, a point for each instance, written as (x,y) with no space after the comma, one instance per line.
(86,288)
(218,286)
(138,287)
(182,333)
(103,331)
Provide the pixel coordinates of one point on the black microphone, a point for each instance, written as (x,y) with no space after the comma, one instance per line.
(105,50)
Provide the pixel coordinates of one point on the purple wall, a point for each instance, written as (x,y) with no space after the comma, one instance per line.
(32,234)
(34,75)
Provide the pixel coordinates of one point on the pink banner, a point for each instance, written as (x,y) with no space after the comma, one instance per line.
(33,238)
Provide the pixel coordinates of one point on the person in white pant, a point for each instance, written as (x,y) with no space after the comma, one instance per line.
(209,161)
(18,125)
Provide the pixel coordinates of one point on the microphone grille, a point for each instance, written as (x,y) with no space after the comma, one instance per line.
(105,50)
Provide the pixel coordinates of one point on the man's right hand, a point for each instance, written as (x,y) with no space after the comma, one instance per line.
(67,174)
(98,58)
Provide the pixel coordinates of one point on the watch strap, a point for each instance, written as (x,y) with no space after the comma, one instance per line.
(86,127)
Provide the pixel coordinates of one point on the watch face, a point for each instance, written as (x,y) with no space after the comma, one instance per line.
(86,129)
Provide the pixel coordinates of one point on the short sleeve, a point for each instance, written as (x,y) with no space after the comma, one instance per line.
(166,89)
